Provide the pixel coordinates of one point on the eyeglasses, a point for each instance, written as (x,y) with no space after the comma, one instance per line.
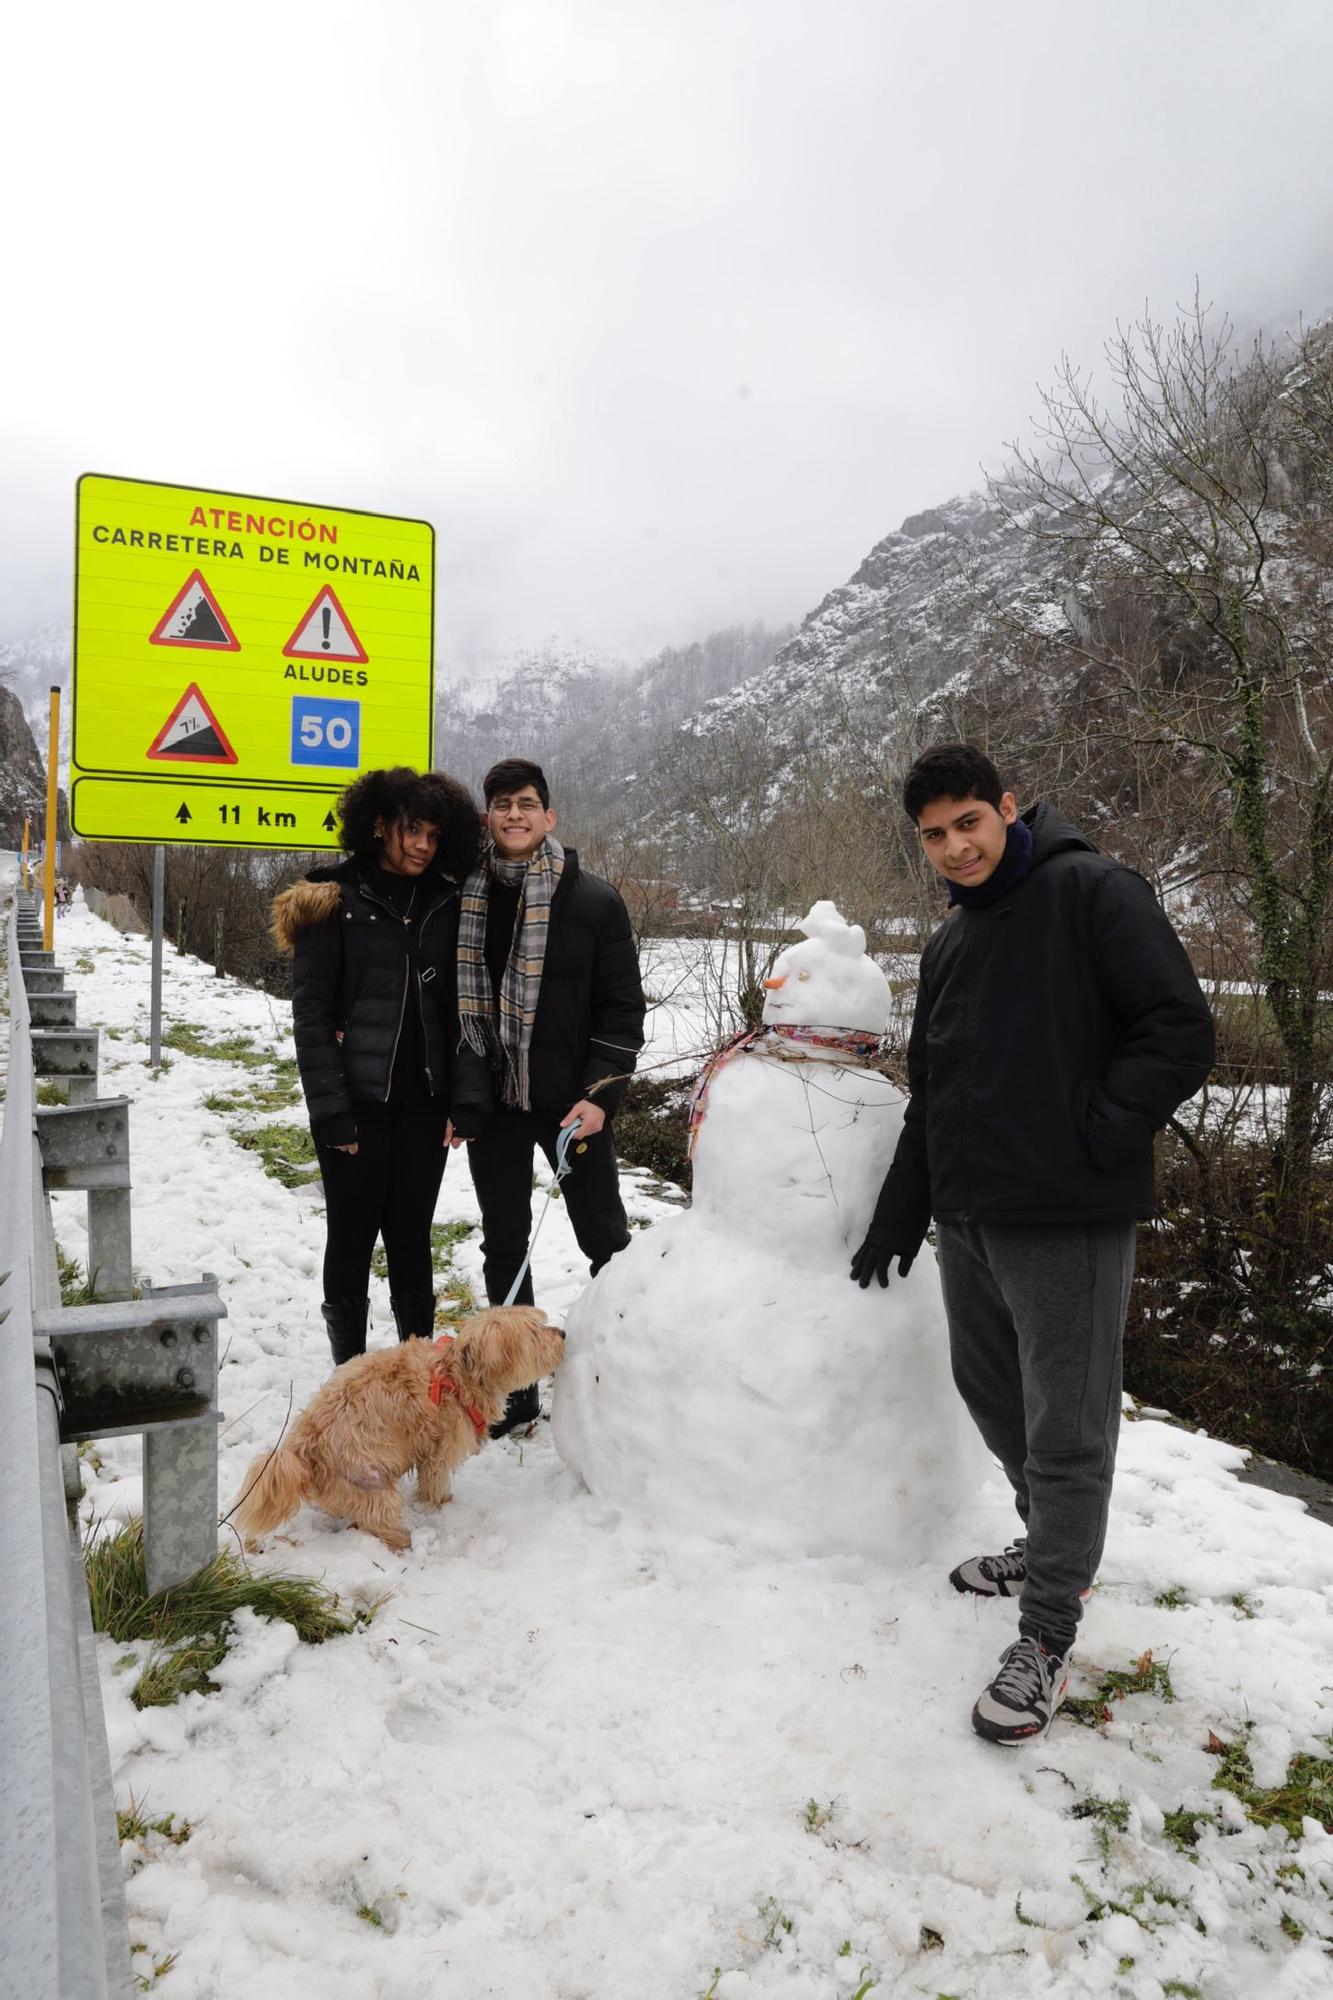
(516,805)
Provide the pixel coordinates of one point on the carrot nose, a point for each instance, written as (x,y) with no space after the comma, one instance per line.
(773,984)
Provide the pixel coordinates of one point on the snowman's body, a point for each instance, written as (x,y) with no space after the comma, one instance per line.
(723,1374)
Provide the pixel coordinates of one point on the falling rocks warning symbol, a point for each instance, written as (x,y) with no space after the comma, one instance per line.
(195,618)
(192,734)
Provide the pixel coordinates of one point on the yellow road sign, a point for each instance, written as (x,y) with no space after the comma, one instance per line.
(238,660)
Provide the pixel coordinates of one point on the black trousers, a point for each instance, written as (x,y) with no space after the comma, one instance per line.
(387,1188)
(501,1166)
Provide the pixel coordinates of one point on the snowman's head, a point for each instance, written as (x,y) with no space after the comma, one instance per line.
(827,981)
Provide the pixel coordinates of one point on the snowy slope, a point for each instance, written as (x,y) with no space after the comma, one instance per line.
(916,613)
(574,1758)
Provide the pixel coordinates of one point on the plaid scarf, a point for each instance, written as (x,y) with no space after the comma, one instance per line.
(858,1042)
(502,1034)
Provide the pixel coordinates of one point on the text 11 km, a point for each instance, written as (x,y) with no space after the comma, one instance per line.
(231,816)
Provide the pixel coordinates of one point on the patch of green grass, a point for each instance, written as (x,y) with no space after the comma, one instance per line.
(49,1093)
(445,1238)
(1147,1676)
(1111,1816)
(1181,1827)
(1171,1600)
(455,1298)
(188,1627)
(257,1097)
(75,1288)
(1306,1791)
(134,1824)
(457,1301)
(1143,1901)
(84,965)
(1245,1604)
(287,1151)
(189,1039)
(370,1915)
(816,1817)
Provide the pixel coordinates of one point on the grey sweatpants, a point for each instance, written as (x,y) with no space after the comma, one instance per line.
(1036,1326)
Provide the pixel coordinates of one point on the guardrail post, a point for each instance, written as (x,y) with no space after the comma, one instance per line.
(150,1365)
(67,1056)
(88,1146)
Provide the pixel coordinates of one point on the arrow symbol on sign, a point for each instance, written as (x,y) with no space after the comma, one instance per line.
(184,815)
(329,822)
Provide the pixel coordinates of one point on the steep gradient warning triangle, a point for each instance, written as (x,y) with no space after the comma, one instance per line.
(192,734)
(325,633)
(195,618)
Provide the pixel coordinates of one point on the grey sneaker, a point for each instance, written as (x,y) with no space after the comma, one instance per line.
(1028,1687)
(994,1576)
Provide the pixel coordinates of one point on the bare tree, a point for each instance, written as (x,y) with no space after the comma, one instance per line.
(1192,518)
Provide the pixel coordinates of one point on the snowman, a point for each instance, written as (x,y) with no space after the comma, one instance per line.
(723,1374)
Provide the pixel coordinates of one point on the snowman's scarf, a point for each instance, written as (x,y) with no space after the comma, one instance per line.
(849,1041)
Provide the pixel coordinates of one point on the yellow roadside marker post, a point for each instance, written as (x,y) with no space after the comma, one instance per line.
(52,829)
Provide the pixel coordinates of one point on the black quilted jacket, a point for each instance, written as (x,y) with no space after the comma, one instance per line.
(353,982)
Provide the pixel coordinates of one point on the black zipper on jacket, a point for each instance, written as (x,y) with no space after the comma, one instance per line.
(406,921)
(421,1005)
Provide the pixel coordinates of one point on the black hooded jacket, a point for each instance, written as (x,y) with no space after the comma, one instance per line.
(1056,1030)
(354,980)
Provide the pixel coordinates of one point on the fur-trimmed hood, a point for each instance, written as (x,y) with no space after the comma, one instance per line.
(303,903)
(315,898)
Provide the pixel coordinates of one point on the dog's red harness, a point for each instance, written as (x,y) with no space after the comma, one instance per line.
(442,1385)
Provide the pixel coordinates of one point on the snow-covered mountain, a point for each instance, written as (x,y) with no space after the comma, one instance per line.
(918,611)
(30,666)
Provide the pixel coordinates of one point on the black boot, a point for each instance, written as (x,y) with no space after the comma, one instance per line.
(524,1407)
(414,1316)
(346,1322)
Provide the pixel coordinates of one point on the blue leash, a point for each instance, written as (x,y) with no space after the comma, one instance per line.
(563,1166)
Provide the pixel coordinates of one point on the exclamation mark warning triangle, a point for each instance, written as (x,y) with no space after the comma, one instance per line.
(192,734)
(195,618)
(325,633)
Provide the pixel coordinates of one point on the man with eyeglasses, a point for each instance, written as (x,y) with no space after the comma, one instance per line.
(551,1004)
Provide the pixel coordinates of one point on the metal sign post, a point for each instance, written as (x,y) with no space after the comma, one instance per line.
(159,898)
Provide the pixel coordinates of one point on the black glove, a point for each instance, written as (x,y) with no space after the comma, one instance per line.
(872,1260)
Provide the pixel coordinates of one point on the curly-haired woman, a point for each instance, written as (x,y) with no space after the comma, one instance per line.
(373,943)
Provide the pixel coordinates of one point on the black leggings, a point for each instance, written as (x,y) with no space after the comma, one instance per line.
(387,1188)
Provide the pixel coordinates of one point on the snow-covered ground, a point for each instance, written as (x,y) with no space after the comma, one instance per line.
(576,1758)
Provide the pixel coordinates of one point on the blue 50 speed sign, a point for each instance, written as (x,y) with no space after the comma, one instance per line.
(326,732)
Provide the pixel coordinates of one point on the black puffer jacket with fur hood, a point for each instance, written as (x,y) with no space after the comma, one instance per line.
(353,979)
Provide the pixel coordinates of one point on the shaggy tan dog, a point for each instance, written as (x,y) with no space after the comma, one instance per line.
(425,1403)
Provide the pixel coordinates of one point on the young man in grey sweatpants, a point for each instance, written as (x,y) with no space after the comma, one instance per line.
(1058,1025)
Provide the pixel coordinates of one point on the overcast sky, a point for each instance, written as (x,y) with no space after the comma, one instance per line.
(662,313)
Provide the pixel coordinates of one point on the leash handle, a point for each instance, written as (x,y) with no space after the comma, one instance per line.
(562,1167)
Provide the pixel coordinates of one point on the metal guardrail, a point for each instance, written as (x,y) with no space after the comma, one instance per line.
(114,1366)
